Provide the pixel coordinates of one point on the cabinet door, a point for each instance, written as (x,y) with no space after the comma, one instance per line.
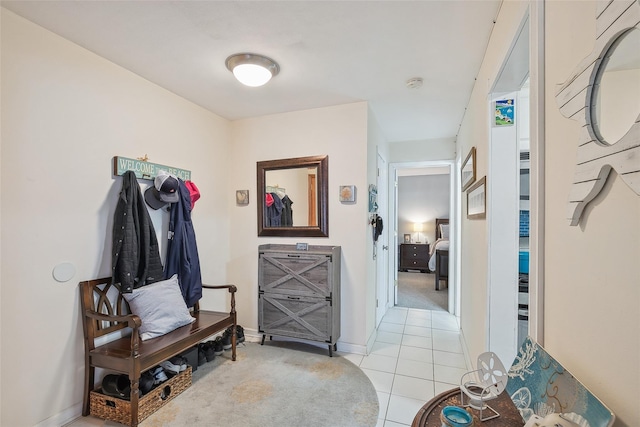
(291,316)
(295,274)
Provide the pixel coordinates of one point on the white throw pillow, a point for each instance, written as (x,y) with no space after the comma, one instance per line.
(444,231)
(160,306)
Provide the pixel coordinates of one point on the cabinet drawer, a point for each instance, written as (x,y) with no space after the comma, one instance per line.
(300,317)
(415,250)
(295,274)
(415,263)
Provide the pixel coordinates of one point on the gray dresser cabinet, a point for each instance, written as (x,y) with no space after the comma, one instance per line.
(299,293)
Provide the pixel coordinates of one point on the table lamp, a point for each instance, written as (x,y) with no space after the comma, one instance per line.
(417,227)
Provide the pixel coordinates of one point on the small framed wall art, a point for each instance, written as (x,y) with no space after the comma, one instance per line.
(468,171)
(477,200)
(505,112)
(347,193)
(373,198)
(242,197)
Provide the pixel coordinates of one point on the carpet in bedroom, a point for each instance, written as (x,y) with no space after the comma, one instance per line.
(417,290)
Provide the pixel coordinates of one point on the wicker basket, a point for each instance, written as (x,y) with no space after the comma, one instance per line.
(119,410)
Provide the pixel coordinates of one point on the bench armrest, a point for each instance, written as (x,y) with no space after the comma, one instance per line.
(132,321)
(232,290)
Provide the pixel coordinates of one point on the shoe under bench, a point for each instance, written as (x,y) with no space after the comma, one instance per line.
(107,317)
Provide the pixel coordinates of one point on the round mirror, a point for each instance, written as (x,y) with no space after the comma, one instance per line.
(616,96)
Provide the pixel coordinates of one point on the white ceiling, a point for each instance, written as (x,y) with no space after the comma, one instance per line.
(330,53)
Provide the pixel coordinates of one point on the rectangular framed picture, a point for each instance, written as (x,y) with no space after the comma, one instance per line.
(347,193)
(505,112)
(407,238)
(242,197)
(468,171)
(477,200)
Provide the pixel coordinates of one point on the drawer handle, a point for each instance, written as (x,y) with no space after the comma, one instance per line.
(290,297)
(293,256)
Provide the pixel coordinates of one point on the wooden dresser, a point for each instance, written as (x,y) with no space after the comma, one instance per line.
(414,256)
(299,293)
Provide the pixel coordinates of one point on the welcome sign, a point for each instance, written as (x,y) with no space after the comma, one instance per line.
(146,170)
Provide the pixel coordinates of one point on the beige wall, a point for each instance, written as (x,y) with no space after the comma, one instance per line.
(474,131)
(424,150)
(592,283)
(65,113)
(339,132)
(591,317)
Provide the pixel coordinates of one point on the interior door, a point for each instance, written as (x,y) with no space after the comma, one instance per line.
(382,258)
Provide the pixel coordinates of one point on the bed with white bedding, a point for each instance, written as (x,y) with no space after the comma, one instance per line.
(439,252)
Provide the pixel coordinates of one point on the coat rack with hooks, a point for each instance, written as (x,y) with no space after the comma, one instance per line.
(145,169)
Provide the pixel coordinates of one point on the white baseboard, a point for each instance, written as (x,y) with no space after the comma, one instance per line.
(253,335)
(465,349)
(371,341)
(65,417)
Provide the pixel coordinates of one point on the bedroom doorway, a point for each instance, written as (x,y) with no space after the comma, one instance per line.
(423,192)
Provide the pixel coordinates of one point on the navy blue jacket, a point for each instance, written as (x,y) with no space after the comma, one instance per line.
(182,251)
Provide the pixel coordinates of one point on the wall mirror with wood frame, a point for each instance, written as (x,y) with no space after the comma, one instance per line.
(293,197)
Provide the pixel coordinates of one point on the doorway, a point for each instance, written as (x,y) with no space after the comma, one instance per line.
(513,213)
(422,193)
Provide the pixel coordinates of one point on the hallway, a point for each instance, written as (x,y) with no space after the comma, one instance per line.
(417,355)
(417,290)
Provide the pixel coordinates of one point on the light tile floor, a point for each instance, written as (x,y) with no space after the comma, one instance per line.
(417,355)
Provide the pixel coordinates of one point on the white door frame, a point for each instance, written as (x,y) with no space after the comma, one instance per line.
(503,204)
(454,206)
(382,246)
(532,26)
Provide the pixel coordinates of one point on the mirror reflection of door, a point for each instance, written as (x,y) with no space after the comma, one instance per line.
(313,219)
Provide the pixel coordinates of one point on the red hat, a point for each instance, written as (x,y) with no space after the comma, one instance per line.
(193,192)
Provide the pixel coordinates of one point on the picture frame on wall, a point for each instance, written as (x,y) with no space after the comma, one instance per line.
(468,170)
(242,197)
(407,238)
(373,198)
(477,199)
(347,194)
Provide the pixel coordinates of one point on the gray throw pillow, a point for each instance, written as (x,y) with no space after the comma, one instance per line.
(160,306)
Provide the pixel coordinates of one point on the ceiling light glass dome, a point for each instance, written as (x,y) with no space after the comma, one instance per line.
(251,69)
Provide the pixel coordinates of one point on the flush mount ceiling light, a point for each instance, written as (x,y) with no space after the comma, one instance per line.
(251,69)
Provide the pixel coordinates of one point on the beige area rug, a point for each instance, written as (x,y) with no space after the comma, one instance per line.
(280,384)
(417,290)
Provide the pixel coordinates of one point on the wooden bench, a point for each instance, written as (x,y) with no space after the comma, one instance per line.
(106,313)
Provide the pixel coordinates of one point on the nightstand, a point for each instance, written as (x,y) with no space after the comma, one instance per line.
(414,256)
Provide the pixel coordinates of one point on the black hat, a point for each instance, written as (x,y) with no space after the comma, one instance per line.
(164,190)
